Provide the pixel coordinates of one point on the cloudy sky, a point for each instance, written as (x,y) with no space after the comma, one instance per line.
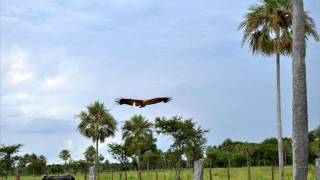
(57,56)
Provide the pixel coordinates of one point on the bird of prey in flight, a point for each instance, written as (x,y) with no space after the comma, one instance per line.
(142,103)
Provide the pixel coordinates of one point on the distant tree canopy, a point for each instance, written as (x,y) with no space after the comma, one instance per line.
(183,151)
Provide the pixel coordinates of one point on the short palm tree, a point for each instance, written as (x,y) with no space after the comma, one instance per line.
(137,134)
(65,156)
(90,155)
(267,29)
(98,124)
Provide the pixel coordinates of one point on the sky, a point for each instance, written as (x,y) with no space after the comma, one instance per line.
(58,56)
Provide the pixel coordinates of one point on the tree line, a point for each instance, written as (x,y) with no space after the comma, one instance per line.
(138,151)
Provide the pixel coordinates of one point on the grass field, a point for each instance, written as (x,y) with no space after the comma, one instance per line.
(258,173)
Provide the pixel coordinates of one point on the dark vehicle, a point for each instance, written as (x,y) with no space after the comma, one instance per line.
(67,177)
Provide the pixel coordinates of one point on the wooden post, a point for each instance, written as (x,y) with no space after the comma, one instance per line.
(198,170)
(318,168)
(18,176)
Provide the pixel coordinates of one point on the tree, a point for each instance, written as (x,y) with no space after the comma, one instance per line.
(267,30)
(98,124)
(300,110)
(90,155)
(65,156)
(172,157)
(120,152)
(55,169)
(8,158)
(181,132)
(37,164)
(23,161)
(138,136)
(196,141)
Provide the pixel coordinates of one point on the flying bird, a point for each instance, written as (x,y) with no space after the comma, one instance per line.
(142,103)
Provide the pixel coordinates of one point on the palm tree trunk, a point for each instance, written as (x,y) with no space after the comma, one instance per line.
(279,121)
(139,168)
(300,141)
(96,160)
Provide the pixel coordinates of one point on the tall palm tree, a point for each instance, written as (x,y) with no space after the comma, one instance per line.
(98,124)
(137,134)
(300,139)
(267,30)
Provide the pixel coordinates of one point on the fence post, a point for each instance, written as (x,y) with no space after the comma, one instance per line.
(198,170)
(18,176)
(318,168)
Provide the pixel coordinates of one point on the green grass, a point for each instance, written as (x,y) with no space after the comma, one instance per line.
(258,173)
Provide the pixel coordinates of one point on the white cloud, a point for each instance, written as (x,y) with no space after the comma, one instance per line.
(48,110)
(23,96)
(54,83)
(19,71)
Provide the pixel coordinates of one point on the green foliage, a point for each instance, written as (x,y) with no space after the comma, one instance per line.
(137,134)
(138,137)
(55,169)
(90,154)
(65,155)
(8,157)
(121,153)
(171,158)
(32,164)
(185,135)
(267,27)
(153,159)
(97,123)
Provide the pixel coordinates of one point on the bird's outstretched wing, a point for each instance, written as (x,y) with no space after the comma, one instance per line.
(157,100)
(130,102)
